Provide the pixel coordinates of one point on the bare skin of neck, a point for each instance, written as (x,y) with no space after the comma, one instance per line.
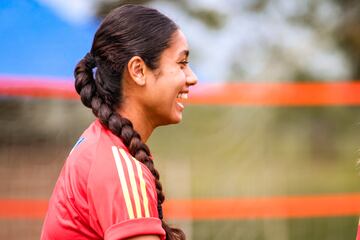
(136,115)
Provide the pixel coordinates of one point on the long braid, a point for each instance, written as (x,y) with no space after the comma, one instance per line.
(96,95)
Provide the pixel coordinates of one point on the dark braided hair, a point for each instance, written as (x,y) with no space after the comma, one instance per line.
(127,31)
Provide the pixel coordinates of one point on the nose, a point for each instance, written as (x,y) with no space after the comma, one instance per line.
(191,78)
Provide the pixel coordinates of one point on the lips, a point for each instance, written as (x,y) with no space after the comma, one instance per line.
(181,97)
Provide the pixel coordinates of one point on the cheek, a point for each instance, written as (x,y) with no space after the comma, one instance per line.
(182,73)
(174,80)
(178,79)
(168,84)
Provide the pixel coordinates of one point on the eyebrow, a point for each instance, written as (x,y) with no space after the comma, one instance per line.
(184,52)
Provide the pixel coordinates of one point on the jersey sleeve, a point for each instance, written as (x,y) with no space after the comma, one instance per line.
(122,196)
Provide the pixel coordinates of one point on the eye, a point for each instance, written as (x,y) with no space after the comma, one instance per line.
(183,63)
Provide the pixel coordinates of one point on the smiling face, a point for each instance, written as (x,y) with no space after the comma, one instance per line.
(167,87)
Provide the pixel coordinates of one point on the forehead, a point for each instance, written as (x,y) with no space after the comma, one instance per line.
(178,46)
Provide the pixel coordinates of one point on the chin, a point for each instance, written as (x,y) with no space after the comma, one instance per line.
(172,120)
(177,121)
(173,116)
(177,118)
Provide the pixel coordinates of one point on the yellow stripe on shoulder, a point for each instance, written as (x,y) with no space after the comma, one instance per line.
(143,188)
(124,187)
(132,182)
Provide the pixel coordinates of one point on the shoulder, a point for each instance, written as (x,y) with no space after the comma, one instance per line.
(116,167)
(87,143)
(94,145)
(121,192)
(90,157)
(112,164)
(129,165)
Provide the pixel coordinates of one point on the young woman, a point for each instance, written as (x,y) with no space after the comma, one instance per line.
(134,79)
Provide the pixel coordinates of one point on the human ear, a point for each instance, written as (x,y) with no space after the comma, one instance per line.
(136,69)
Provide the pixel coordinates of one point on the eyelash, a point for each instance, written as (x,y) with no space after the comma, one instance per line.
(184,63)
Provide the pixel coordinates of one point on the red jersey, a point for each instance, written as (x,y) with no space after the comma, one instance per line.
(102,193)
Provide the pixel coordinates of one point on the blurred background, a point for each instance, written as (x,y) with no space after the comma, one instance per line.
(222,151)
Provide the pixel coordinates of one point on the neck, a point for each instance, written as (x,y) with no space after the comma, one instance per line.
(141,123)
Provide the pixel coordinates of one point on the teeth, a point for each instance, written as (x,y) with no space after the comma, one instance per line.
(182,95)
